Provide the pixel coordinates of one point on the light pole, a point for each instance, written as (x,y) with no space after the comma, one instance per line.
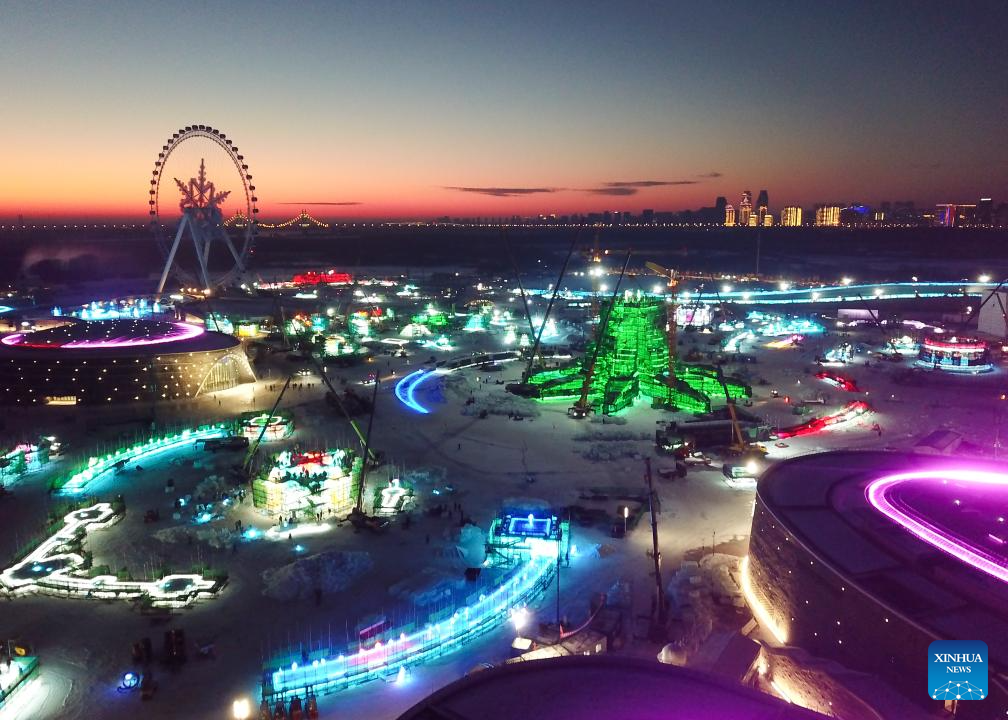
(626,514)
(241,709)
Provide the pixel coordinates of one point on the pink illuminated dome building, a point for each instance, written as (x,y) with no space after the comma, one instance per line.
(118,361)
(865,558)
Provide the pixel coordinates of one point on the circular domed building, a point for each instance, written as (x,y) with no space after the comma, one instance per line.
(866,558)
(600,687)
(118,361)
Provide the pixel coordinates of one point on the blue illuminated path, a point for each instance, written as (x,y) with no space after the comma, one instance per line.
(406,389)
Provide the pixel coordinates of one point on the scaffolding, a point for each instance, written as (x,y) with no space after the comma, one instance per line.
(308,483)
(632,361)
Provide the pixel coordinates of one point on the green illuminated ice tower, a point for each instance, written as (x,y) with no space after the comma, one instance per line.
(632,360)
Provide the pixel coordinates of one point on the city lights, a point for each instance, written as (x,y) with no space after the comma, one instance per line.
(361,432)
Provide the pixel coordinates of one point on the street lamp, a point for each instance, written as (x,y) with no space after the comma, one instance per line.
(626,514)
(241,709)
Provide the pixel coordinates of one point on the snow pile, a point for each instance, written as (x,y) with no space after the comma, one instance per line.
(612,451)
(213,487)
(501,404)
(607,420)
(458,385)
(472,544)
(423,476)
(611,435)
(431,587)
(219,537)
(330,572)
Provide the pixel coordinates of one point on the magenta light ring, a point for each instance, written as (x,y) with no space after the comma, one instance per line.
(877,494)
(183,331)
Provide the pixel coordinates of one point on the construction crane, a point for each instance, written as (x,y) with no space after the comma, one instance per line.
(521,288)
(358,518)
(549,307)
(594,258)
(581,407)
(659,616)
(254,447)
(369,453)
(749,454)
(995,294)
(670,314)
(885,335)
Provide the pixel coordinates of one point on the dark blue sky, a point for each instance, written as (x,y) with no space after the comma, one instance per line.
(424,108)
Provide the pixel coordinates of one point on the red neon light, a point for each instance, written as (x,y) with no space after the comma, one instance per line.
(330,277)
(316,457)
(965,345)
(849,411)
(840,381)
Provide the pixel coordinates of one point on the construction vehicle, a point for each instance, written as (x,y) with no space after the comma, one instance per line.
(747,458)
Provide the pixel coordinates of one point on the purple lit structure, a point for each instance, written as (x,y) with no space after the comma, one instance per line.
(932,505)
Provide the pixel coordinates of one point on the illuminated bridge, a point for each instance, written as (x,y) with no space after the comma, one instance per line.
(827,294)
(303,221)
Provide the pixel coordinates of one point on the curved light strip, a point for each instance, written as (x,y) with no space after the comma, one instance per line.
(877,492)
(96,466)
(405,390)
(183,331)
(760,611)
(431,641)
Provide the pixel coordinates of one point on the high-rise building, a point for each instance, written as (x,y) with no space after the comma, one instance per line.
(767,220)
(985,212)
(955,215)
(752,219)
(647,216)
(791,216)
(720,203)
(729,216)
(745,208)
(762,203)
(828,216)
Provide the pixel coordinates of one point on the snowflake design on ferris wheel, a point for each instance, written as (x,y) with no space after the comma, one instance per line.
(201,195)
(958,690)
(202,220)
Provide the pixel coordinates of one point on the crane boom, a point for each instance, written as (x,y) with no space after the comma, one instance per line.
(549,307)
(250,456)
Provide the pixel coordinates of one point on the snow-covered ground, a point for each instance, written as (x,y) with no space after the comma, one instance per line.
(85,646)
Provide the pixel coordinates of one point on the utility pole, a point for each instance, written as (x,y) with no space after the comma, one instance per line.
(359,507)
(659,617)
(559,543)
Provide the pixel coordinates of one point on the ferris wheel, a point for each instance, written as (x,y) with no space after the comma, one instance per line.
(216,258)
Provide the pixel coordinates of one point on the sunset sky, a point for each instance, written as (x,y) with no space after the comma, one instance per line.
(421,109)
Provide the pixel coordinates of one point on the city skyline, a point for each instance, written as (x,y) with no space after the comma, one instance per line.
(382,111)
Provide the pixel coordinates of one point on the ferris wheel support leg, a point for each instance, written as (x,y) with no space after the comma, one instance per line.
(234,253)
(202,252)
(171,255)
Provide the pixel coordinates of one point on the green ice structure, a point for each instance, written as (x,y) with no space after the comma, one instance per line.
(633,361)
